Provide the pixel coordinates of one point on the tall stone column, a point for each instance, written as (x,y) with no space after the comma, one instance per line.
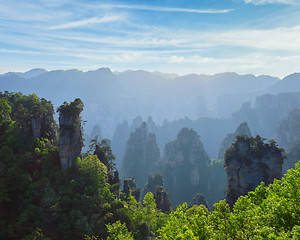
(70,136)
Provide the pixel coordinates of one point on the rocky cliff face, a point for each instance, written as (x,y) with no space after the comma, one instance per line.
(292,157)
(242,129)
(162,199)
(154,181)
(288,131)
(120,138)
(130,188)
(70,137)
(283,101)
(141,153)
(268,111)
(42,125)
(185,166)
(248,162)
(155,184)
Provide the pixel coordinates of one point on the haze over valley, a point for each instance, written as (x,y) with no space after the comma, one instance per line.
(116,103)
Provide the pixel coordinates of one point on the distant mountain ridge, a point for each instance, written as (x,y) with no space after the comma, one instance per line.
(139,82)
(29,74)
(289,83)
(112,97)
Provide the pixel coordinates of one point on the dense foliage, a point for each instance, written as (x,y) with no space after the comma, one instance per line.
(267,213)
(38,198)
(155,185)
(41,200)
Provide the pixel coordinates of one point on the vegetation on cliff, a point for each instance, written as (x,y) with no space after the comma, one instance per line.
(271,212)
(70,132)
(250,161)
(242,129)
(41,200)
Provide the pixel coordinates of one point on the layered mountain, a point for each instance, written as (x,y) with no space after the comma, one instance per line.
(290,83)
(29,74)
(112,97)
(262,118)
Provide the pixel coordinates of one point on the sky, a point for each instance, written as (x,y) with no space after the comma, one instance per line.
(260,37)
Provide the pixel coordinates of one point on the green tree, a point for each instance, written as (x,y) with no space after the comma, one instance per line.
(118,231)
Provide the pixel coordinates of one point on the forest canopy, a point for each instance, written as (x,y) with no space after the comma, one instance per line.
(41,200)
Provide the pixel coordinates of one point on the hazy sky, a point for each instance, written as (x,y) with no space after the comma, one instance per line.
(179,36)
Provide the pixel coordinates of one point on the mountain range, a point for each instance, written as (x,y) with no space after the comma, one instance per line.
(112,97)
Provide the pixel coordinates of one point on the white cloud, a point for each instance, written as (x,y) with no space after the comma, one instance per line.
(164,9)
(286,39)
(196,59)
(3,50)
(127,57)
(26,11)
(262,2)
(93,20)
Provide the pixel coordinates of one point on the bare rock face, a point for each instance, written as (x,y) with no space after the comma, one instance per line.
(242,129)
(185,166)
(70,138)
(248,162)
(42,125)
(288,131)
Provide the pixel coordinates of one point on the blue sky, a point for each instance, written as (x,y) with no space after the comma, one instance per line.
(176,36)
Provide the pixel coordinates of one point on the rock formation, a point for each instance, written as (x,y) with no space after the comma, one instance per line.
(284,102)
(130,188)
(185,166)
(141,154)
(267,112)
(42,125)
(70,136)
(162,199)
(242,129)
(120,138)
(217,182)
(199,199)
(292,157)
(248,162)
(288,131)
(94,134)
(118,143)
(154,181)
(155,184)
